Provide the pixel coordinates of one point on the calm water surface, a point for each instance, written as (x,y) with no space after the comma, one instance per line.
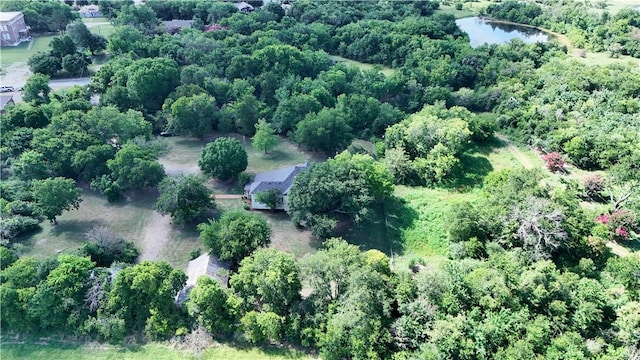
(483,31)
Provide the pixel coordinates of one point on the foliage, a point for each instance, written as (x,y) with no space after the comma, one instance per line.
(104,247)
(272,198)
(345,186)
(56,195)
(325,131)
(236,235)
(194,115)
(143,296)
(134,168)
(553,161)
(268,281)
(433,140)
(264,138)
(45,64)
(37,89)
(185,198)
(224,158)
(212,306)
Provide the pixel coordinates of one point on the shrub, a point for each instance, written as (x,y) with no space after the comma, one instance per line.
(553,161)
(593,186)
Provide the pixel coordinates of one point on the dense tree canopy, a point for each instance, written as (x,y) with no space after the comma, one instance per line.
(347,186)
(186,198)
(224,158)
(235,235)
(521,268)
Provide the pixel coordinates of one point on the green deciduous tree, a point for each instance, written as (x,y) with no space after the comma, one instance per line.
(44,63)
(186,198)
(76,64)
(58,302)
(37,89)
(265,138)
(143,296)
(213,307)
(345,186)
(150,80)
(224,158)
(56,195)
(62,46)
(268,281)
(272,198)
(111,125)
(135,168)
(193,115)
(326,131)
(236,235)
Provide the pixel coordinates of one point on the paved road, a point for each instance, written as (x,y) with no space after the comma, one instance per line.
(54,84)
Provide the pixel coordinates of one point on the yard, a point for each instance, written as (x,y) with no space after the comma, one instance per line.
(134,218)
(48,349)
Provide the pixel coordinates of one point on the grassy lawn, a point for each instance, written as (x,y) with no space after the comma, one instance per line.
(126,218)
(364,66)
(99,25)
(286,236)
(603,59)
(153,351)
(468,9)
(22,53)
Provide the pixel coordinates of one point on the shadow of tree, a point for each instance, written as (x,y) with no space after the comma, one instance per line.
(399,216)
(469,173)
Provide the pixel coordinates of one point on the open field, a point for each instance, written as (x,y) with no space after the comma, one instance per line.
(153,351)
(468,8)
(22,52)
(100,26)
(363,66)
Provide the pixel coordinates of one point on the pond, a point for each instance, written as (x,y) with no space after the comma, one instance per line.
(483,31)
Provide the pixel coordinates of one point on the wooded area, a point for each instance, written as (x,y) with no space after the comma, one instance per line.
(526,269)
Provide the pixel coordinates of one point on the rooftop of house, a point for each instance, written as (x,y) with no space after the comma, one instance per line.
(4,100)
(178,23)
(92,8)
(9,15)
(243,5)
(280,179)
(208,265)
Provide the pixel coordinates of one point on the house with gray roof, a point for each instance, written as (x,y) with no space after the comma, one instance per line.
(244,7)
(204,265)
(4,101)
(279,180)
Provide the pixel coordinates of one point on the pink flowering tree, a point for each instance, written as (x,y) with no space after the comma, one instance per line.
(553,161)
(619,224)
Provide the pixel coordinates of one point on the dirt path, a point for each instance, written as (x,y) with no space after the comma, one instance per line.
(156,236)
(227,196)
(517,153)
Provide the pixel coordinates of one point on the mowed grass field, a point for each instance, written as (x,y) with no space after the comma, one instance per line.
(152,351)
(22,52)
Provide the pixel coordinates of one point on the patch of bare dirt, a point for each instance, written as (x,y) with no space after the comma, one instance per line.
(156,236)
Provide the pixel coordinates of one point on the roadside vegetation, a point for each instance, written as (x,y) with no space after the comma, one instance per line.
(461,203)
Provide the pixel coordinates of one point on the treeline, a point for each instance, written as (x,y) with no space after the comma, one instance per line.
(584,27)
(502,305)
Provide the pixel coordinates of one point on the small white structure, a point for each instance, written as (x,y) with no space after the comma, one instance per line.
(244,7)
(204,265)
(90,11)
(279,180)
